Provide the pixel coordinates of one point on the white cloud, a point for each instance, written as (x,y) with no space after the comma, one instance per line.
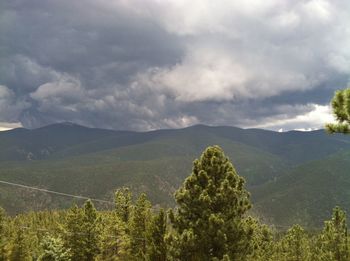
(251,49)
(202,75)
(218,74)
(320,10)
(181,121)
(65,87)
(4,126)
(316,118)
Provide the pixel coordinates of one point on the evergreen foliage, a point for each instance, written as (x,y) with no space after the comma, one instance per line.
(123,204)
(262,244)
(295,245)
(115,242)
(209,221)
(74,233)
(83,232)
(156,245)
(2,235)
(20,247)
(341,110)
(138,227)
(334,238)
(54,250)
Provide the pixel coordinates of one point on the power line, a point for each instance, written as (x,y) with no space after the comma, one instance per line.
(100,200)
(61,194)
(55,192)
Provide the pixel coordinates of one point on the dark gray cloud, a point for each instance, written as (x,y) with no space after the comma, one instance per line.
(155,64)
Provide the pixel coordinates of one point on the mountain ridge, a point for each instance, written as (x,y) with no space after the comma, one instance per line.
(94,162)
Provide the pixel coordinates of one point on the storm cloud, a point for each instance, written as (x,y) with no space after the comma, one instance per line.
(142,65)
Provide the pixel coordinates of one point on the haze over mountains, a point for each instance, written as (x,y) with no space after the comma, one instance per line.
(293,176)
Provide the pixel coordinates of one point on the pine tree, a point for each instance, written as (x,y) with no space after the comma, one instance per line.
(115,242)
(341,110)
(73,233)
(262,245)
(212,202)
(20,246)
(138,226)
(156,245)
(3,250)
(295,245)
(334,238)
(91,230)
(54,250)
(123,203)
(82,232)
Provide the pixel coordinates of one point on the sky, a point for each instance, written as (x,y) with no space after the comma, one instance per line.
(143,65)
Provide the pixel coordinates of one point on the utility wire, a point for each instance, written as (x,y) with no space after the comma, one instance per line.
(99,200)
(56,192)
(61,194)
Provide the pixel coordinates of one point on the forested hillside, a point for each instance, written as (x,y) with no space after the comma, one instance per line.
(93,162)
(307,194)
(211,221)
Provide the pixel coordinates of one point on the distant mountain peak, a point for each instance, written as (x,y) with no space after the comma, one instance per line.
(63,124)
(68,123)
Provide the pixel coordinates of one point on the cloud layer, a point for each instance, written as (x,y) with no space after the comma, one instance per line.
(144,65)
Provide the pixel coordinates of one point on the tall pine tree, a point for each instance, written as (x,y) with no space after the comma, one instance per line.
(295,245)
(138,226)
(123,203)
(212,203)
(83,232)
(334,238)
(156,245)
(115,242)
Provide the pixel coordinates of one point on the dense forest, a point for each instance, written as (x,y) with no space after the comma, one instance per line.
(210,222)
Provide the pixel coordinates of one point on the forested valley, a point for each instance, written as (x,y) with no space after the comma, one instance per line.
(211,221)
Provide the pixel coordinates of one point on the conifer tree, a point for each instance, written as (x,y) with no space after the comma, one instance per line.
(123,203)
(212,202)
(20,249)
(115,242)
(156,245)
(74,233)
(138,226)
(341,110)
(262,244)
(54,250)
(2,235)
(334,238)
(295,245)
(91,223)
(82,232)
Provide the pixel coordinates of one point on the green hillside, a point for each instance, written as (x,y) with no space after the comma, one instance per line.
(156,167)
(286,172)
(308,193)
(67,140)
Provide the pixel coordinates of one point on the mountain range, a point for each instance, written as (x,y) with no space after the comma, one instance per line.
(294,177)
